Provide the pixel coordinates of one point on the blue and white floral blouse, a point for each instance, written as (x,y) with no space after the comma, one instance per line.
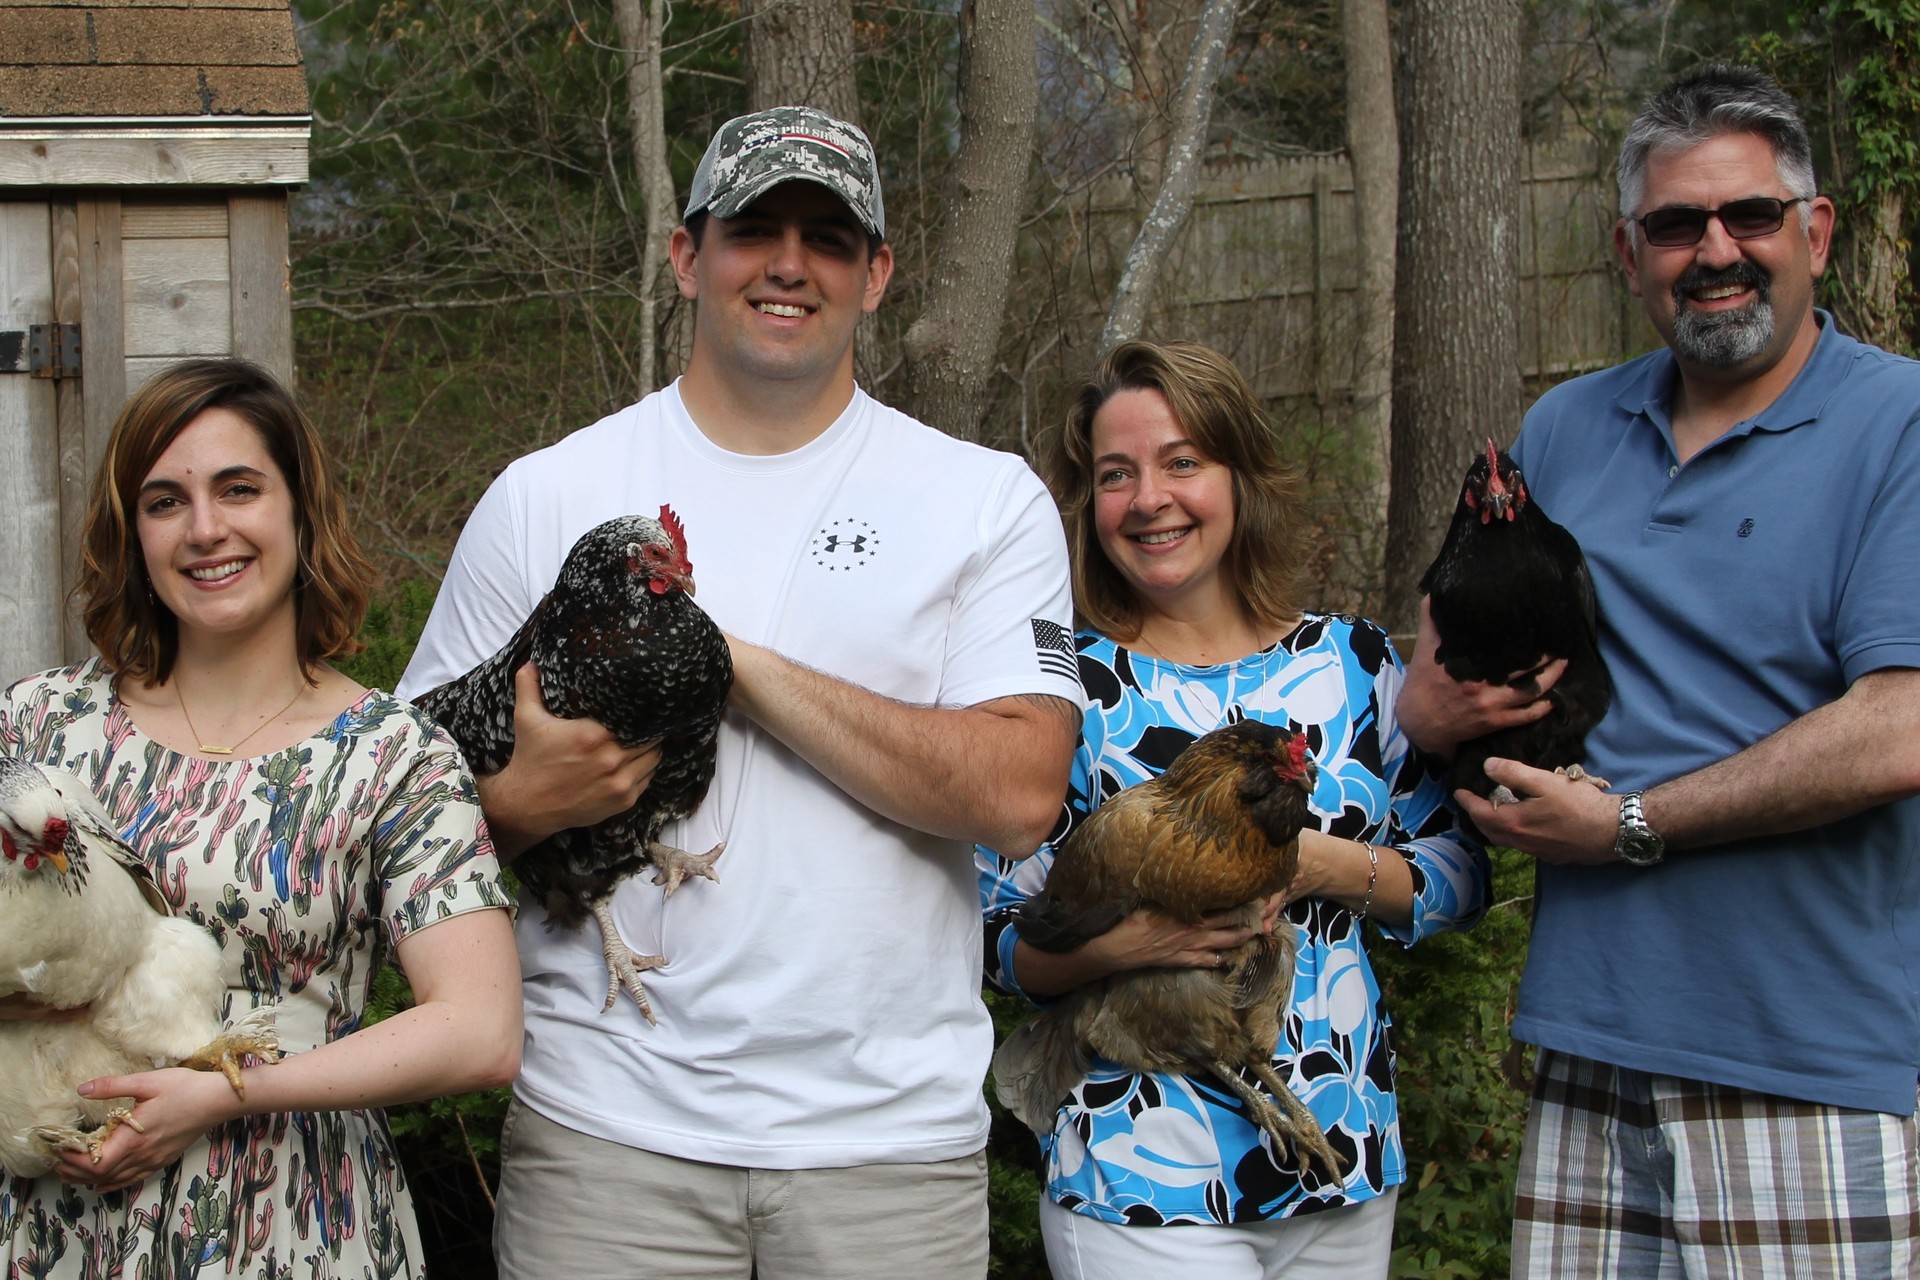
(1152,1149)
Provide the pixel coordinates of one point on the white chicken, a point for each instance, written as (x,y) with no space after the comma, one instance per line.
(82,923)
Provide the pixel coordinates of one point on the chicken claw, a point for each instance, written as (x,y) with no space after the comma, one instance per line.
(67,1138)
(671,865)
(1574,773)
(252,1033)
(624,965)
(1284,1117)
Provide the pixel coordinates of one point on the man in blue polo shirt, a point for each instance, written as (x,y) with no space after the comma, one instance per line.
(1726,948)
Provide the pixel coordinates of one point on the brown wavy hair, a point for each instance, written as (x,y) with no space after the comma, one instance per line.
(1221,415)
(136,634)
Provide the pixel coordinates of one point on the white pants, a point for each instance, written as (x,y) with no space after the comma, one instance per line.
(576,1207)
(1353,1243)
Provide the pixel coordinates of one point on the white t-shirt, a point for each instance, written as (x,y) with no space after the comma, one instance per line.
(820,1006)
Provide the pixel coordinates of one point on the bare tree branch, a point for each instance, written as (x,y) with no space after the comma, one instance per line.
(1187,149)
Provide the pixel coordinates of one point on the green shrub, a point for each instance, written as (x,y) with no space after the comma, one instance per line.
(1461,1116)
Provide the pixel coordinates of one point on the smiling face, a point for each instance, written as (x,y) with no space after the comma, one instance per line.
(215,518)
(781,287)
(1163,510)
(1736,307)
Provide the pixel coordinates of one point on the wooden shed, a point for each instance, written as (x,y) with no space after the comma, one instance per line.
(147,149)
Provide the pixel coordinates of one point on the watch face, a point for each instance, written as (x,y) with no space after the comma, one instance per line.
(1641,848)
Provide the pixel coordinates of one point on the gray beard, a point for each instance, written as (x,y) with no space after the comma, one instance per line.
(1722,339)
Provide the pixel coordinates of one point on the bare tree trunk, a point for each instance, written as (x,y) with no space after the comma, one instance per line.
(1456,366)
(1880,272)
(950,349)
(640,22)
(1186,150)
(800,53)
(1868,271)
(1373,144)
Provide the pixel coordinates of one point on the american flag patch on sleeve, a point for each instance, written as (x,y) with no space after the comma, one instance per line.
(1053,646)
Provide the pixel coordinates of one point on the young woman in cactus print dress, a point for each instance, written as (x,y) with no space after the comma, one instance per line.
(311,825)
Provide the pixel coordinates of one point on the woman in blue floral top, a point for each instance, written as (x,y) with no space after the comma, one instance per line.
(1185,530)
(313,827)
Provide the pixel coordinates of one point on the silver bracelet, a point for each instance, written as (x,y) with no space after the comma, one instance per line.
(1373,878)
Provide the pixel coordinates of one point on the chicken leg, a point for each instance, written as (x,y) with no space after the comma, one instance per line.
(1294,1126)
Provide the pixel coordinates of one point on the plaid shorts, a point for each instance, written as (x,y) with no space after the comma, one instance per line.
(1627,1174)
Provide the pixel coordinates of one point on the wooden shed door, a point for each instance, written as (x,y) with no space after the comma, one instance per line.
(31,574)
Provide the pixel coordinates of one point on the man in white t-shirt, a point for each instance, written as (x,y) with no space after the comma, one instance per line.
(897,605)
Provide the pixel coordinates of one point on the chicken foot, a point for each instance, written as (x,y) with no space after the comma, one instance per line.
(671,868)
(59,1137)
(624,965)
(1573,773)
(671,865)
(1284,1117)
(251,1033)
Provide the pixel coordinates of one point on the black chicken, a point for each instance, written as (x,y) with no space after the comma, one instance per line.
(618,640)
(1510,591)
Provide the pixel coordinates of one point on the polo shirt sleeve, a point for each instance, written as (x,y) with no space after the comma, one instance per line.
(1012,624)
(1878,624)
(483,599)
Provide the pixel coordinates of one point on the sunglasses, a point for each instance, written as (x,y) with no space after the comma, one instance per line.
(1743,220)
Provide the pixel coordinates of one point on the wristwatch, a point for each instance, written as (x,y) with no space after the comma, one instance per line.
(1637,844)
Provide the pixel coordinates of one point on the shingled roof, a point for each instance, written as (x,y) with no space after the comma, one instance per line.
(80,58)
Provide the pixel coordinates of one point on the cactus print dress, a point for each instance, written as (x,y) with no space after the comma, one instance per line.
(308,865)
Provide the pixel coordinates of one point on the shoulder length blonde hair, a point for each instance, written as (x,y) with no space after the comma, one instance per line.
(1221,415)
(136,634)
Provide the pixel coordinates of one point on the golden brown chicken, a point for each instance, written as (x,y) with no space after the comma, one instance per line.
(1218,831)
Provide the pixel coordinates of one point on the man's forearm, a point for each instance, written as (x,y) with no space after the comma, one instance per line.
(1861,750)
(992,774)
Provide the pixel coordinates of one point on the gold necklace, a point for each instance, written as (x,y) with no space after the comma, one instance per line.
(227,751)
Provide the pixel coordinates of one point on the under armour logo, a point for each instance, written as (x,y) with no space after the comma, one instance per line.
(845,545)
(1746,528)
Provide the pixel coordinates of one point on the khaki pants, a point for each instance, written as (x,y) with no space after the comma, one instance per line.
(575,1207)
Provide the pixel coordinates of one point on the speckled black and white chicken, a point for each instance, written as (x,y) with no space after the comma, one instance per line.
(618,640)
(82,923)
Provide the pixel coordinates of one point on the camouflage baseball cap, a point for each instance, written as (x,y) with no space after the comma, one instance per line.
(751,155)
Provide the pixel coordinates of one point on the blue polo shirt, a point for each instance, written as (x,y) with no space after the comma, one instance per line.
(1737,592)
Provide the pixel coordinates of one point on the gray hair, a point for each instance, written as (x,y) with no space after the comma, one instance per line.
(1718,99)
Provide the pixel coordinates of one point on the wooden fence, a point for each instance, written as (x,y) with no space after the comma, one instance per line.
(1266,269)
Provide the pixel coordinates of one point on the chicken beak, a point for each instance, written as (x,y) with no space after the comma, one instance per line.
(58,858)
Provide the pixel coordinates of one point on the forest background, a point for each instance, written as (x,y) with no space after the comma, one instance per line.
(476,273)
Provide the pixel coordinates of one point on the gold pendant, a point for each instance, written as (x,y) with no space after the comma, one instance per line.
(215,751)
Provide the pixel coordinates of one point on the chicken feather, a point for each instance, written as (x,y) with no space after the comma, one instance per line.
(1217,832)
(618,640)
(83,924)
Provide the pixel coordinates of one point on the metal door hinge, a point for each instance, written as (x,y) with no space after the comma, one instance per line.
(43,350)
